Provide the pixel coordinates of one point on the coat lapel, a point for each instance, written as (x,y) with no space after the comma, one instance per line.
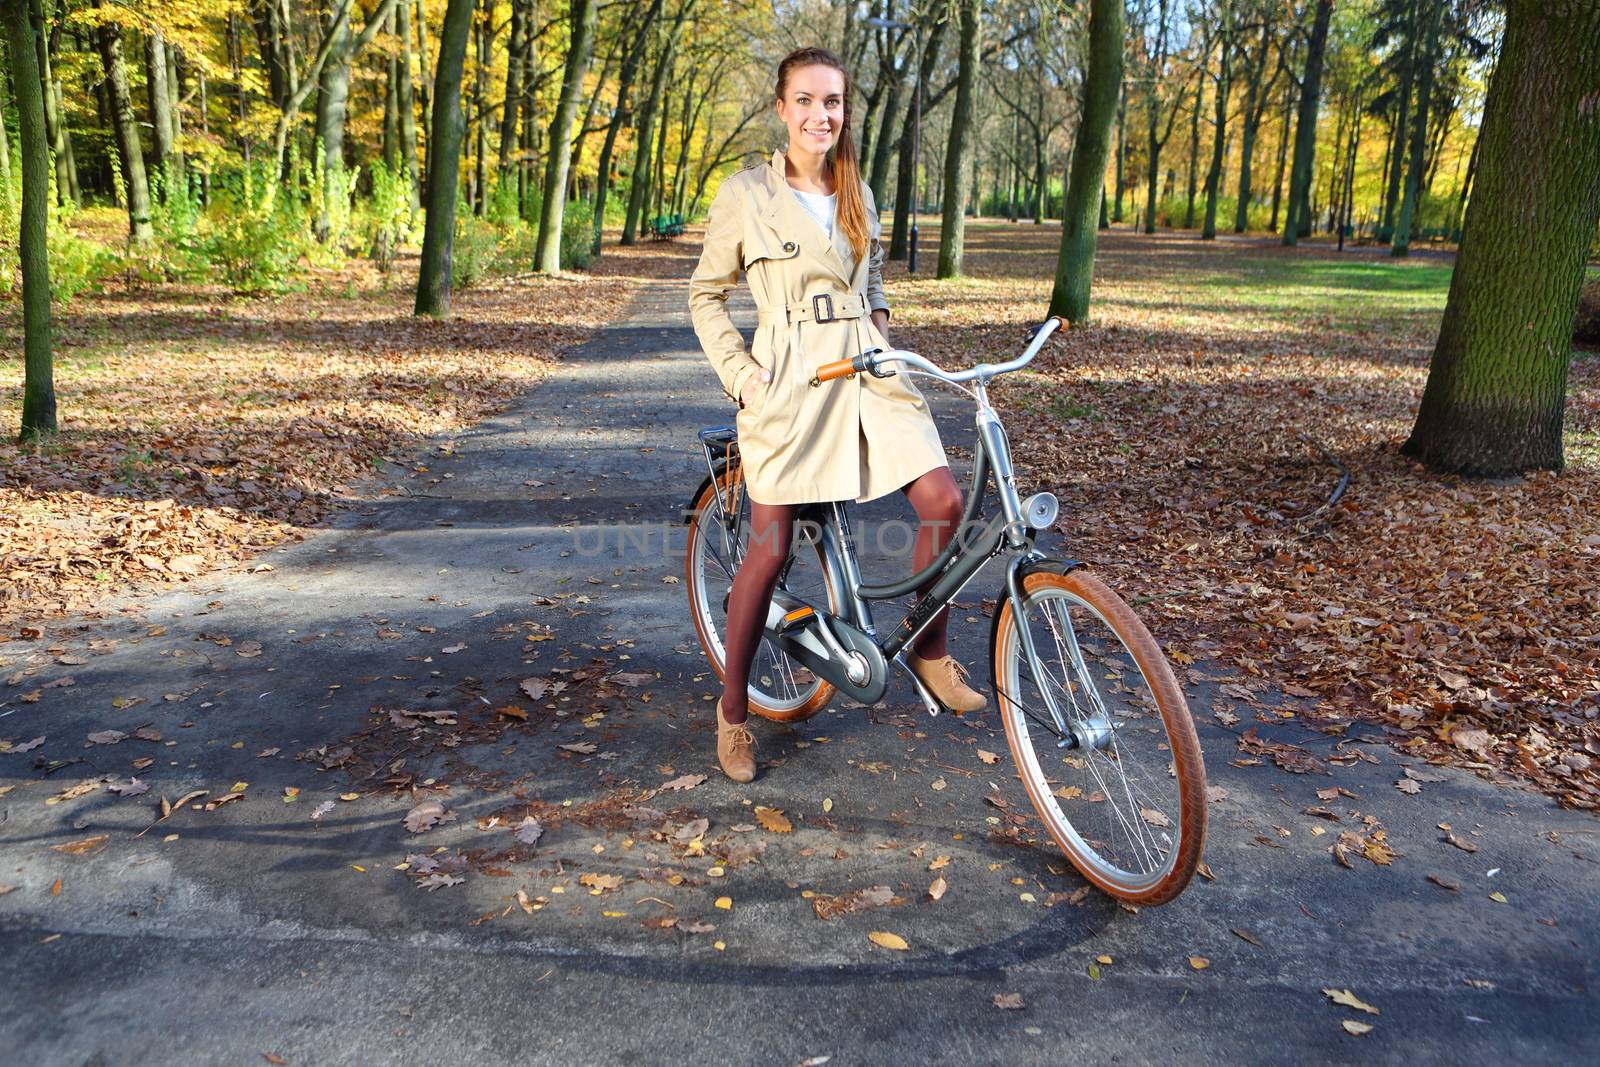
(784,209)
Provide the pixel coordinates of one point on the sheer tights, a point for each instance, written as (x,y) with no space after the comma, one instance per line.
(938,502)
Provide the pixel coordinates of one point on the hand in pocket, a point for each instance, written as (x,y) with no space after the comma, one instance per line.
(756,387)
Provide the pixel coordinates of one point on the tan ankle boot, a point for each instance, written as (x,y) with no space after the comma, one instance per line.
(944,678)
(736,748)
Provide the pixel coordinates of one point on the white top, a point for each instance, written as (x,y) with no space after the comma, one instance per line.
(819,207)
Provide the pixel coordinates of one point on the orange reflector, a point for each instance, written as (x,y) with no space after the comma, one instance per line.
(797,613)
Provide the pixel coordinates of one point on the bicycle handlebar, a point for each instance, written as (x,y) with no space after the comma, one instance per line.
(877,359)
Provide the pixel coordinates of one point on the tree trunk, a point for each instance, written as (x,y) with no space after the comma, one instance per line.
(424,87)
(1298,223)
(333,97)
(1194,134)
(38,384)
(126,126)
(625,76)
(647,128)
(957,184)
(905,191)
(1400,243)
(1153,113)
(521,10)
(1397,149)
(1085,190)
(55,118)
(5,149)
(483,55)
(1219,120)
(405,103)
(433,279)
(1495,397)
(391,107)
(1122,129)
(882,145)
(1254,108)
(159,95)
(559,157)
(1283,151)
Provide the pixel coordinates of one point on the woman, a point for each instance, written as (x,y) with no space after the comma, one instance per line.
(804,229)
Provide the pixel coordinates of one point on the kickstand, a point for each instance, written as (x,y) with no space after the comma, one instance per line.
(929,701)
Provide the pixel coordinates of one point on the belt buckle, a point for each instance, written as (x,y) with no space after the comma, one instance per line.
(816,308)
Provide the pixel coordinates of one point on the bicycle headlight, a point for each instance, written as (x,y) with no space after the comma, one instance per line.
(1040,510)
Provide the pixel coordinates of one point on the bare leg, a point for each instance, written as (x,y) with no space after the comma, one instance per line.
(771,526)
(938,502)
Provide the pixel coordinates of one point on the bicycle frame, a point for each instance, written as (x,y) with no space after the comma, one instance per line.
(855,659)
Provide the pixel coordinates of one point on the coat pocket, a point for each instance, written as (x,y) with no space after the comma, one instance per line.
(763,242)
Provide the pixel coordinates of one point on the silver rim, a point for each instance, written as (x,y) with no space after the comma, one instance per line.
(1118,802)
(779,682)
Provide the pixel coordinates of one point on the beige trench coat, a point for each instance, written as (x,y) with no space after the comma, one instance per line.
(855,438)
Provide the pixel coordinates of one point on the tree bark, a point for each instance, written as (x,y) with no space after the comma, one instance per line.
(625,77)
(647,127)
(1283,149)
(1402,123)
(159,95)
(1496,392)
(1298,223)
(449,127)
(55,118)
(1122,130)
(1208,231)
(38,383)
(905,193)
(405,103)
(521,11)
(957,183)
(1085,191)
(126,127)
(559,158)
(1194,129)
(1400,242)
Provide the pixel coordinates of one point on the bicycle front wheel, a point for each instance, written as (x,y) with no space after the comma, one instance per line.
(1122,788)
(781,689)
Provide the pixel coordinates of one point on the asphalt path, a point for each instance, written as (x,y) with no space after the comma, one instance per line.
(290,915)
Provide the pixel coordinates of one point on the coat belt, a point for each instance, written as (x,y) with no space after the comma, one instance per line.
(823,307)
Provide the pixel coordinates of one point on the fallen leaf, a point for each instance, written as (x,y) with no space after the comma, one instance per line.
(528,831)
(773,821)
(1350,1000)
(883,939)
(322,809)
(582,748)
(1353,1027)
(1498,897)
(87,845)
(601,883)
(1445,883)
(28,746)
(106,737)
(1464,844)
(133,787)
(937,889)
(1246,935)
(1199,963)
(1408,786)
(687,781)
(424,816)
(439,881)
(1008,1001)
(988,757)
(725,903)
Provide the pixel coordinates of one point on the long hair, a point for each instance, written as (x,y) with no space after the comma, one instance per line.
(852,209)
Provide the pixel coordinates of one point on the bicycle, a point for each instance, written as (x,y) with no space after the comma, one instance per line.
(1098,728)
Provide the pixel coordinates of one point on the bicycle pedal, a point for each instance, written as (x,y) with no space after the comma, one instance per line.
(793,620)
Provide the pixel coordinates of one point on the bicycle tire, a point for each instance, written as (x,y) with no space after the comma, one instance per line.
(760,703)
(1186,765)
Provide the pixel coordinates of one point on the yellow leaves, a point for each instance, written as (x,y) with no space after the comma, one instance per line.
(1199,963)
(939,863)
(83,847)
(1349,1000)
(937,889)
(773,821)
(827,804)
(988,757)
(884,939)
(1498,897)
(1068,792)
(725,903)
(600,883)
(1356,1029)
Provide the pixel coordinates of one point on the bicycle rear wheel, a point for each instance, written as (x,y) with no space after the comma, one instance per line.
(781,689)
(1122,792)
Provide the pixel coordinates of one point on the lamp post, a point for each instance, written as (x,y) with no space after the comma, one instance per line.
(916,126)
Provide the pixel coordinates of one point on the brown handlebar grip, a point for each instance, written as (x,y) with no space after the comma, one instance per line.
(829,371)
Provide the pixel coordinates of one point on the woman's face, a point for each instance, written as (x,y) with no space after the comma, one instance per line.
(813,108)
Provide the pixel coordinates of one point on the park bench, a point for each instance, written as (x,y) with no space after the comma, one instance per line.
(665,226)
